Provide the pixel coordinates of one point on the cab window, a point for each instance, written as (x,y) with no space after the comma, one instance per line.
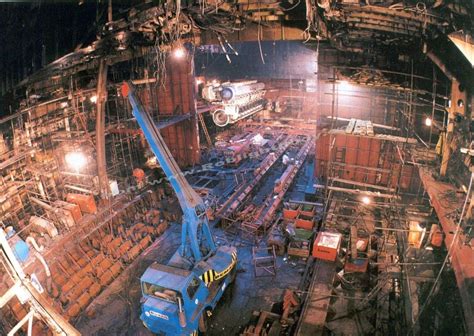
(160,292)
(193,287)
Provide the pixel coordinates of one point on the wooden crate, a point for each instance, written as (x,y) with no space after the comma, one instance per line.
(85,202)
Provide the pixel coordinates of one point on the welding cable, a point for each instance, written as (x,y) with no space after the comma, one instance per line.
(446,259)
(231,47)
(291,8)
(224,49)
(49,284)
(260,43)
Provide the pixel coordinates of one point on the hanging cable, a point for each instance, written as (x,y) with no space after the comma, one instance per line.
(291,8)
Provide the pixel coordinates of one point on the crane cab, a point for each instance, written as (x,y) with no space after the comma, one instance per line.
(171,297)
(174,299)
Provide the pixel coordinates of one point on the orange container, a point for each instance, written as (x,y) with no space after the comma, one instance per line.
(75,211)
(304,222)
(436,236)
(291,210)
(290,213)
(326,246)
(308,210)
(358,265)
(85,202)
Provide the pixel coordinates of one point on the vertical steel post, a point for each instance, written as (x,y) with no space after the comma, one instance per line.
(100,129)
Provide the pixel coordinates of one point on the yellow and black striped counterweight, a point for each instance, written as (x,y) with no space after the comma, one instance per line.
(211,275)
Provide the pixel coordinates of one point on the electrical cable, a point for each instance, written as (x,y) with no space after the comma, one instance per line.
(291,8)
(260,44)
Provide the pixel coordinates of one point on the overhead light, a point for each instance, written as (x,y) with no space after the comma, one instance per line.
(366,200)
(93,99)
(75,160)
(179,52)
(344,85)
(428,122)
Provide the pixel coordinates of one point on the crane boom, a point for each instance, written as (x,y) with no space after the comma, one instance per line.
(178,295)
(196,237)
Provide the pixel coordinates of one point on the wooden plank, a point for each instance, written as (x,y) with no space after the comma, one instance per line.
(373,124)
(260,7)
(357,191)
(360,127)
(360,184)
(370,128)
(350,126)
(385,137)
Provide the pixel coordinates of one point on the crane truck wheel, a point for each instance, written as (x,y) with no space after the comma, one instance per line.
(233,275)
(203,322)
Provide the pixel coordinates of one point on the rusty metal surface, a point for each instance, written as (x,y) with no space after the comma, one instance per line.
(462,256)
(268,213)
(361,159)
(353,26)
(174,107)
(237,199)
(315,310)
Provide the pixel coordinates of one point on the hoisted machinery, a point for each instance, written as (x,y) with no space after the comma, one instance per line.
(177,297)
(238,100)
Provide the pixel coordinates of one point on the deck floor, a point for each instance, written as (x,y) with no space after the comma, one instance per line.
(116,310)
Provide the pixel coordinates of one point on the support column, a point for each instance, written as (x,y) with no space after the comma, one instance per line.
(100,130)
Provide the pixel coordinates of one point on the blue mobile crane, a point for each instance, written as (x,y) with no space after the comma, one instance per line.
(177,297)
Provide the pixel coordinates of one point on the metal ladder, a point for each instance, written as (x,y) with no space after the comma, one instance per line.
(204,129)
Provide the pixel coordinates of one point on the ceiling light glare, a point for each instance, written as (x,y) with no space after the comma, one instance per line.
(179,52)
(366,200)
(76,160)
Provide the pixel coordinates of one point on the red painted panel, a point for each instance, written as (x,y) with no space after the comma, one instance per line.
(363,158)
(362,152)
(176,97)
(373,159)
(352,144)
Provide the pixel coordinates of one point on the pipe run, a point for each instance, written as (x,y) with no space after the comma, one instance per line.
(37,249)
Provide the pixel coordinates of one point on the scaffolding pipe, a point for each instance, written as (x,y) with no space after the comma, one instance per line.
(30,240)
(11,292)
(20,324)
(56,321)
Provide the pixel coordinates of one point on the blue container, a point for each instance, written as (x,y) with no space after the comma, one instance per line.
(21,250)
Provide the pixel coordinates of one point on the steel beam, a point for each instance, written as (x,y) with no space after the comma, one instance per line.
(100,129)
(361,184)
(461,255)
(357,191)
(377,136)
